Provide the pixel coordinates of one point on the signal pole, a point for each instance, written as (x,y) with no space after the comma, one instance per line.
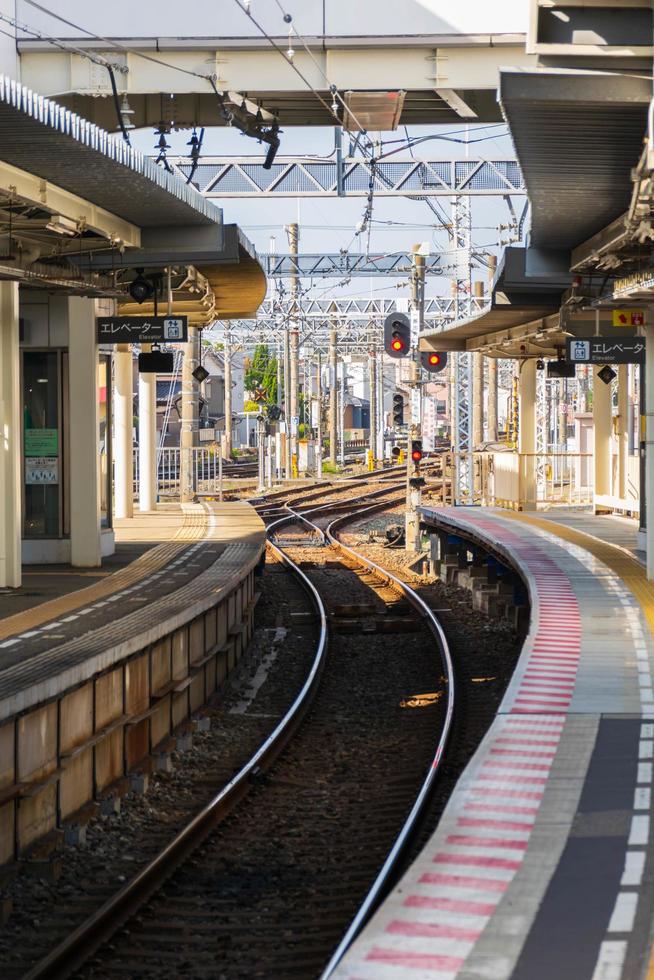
(412,521)
(319,401)
(372,361)
(333,397)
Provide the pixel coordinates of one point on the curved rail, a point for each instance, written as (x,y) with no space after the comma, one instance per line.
(384,878)
(69,955)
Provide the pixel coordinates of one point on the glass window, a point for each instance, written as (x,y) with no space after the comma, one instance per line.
(104,437)
(42,444)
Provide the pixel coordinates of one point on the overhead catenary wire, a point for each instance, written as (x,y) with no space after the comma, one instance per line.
(289,61)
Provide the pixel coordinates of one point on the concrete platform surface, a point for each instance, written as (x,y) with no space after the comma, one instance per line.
(181,552)
(542,865)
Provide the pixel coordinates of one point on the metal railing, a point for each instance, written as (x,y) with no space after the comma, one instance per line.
(207,471)
(523,481)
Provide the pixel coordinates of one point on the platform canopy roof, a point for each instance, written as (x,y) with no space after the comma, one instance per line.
(522,314)
(577,136)
(81,210)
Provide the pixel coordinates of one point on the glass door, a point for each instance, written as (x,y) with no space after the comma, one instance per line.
(42,444)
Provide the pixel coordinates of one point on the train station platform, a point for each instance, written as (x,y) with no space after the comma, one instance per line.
(542,863)
(93,679)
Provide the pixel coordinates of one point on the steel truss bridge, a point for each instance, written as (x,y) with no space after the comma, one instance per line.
(358,321)
(225,177)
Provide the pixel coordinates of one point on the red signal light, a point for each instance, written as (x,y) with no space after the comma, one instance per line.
(397,344)
(434,359)
(416,455)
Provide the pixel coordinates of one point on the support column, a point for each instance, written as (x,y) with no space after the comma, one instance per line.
(527,434)
(647,383)
(147,439)
(623,429)
(491,412)
(123,441)
(333,398)
(10,439)
(85,531)
(602,434)
(189,416)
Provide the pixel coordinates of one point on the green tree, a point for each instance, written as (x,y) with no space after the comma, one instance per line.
(257,367)
(269,381)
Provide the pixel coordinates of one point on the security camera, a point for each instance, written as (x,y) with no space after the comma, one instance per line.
(141,288)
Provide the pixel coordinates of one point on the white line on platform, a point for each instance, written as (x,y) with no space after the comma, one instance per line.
(634,865)
(639,833)
(624,912)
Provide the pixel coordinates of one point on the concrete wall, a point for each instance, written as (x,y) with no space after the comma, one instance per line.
(77,748)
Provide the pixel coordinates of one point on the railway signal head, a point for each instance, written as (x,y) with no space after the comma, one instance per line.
(416,451)
(398,409)
(433,361)
(397,335)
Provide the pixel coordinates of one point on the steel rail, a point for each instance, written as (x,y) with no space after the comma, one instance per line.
(76,949)
(385,877)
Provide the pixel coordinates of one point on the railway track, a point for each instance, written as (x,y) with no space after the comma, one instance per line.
(275,886)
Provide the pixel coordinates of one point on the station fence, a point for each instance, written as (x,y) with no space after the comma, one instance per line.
(522,481)
(207,468)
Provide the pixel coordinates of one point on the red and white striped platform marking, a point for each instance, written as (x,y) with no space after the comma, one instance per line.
(445,911)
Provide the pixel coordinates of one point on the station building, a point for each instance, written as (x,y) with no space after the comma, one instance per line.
(83,215)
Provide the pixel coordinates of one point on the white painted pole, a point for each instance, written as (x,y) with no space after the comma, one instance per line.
(147,439)
(10,447)
(85,533)
(527,433)
(649,450)
(602,431)
(123,439)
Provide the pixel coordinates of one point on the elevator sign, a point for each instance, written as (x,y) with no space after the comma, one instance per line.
(141,329)
(606,350)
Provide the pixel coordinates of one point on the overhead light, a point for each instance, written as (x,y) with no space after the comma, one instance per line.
(61,225)
(126,111)
(41,381)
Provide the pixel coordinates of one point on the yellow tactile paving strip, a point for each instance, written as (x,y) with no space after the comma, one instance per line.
(181,527)
(616,558)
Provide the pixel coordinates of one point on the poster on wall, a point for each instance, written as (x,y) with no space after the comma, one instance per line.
(41,442)
(41,470)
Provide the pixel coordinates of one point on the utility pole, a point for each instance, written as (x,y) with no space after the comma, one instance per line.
(333,397)
(261,452)
(342,412)
(293,239)
(227,355)
(287,406)
(319,401)
(477,386)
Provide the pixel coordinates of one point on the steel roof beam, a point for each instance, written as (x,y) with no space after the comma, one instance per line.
(225,177)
